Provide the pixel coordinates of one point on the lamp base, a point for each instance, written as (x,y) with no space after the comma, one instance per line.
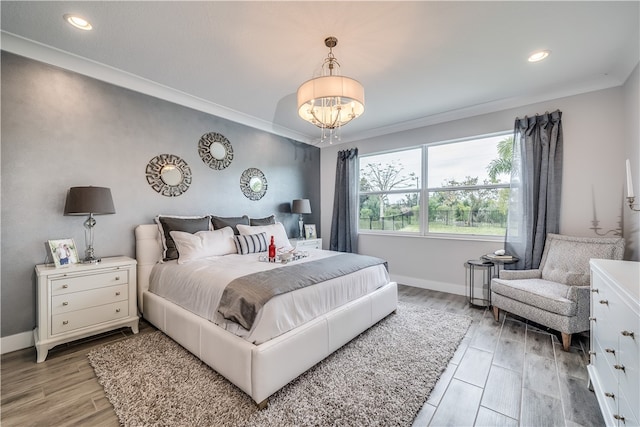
(301,227)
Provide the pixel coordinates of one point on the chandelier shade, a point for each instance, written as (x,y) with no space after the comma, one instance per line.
(331,100)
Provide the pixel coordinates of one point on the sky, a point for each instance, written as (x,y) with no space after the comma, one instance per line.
(445,161)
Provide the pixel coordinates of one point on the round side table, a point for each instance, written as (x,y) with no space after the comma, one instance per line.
(499,263)
(487,273)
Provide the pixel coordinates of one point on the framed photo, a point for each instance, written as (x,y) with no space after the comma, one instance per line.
(310,231)
(63,252)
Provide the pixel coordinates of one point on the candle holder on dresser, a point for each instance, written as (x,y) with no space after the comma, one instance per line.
(630,196)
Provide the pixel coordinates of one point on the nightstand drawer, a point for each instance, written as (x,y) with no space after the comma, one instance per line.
(78,300)
(69,284)
(87,317)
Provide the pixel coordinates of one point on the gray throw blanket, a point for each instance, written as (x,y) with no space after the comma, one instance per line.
(245,296)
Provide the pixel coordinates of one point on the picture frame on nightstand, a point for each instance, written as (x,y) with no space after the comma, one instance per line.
(63,252)
(310,231)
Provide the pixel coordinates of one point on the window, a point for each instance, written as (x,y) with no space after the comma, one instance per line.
(466,189)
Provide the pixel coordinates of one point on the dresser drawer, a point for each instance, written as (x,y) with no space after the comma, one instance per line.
(607,379)
(78,300)
(625,410)
(629,358)
(64,285)
(65,322)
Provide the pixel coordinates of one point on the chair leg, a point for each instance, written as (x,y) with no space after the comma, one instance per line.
(496,313)
(566,341)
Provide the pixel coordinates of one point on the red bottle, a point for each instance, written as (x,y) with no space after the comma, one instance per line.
(272,251)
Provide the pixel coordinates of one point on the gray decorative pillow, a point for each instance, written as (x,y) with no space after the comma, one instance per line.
(263,221)
(188,225)
(222,222)
(251,243)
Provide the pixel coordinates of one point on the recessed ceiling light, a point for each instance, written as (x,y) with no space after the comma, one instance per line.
(78,21)
(539,55)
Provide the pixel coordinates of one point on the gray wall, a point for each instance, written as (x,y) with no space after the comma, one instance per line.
(61,129)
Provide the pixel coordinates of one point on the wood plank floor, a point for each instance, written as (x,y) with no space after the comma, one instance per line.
(504,373)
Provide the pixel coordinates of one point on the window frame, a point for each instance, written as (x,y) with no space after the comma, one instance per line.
(425,190)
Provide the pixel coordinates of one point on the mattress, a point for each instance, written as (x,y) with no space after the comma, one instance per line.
(198,286)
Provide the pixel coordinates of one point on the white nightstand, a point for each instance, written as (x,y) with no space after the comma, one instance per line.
(305,244)
(83,300)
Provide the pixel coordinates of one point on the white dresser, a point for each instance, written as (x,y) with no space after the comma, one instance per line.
(83,300)
(614,370)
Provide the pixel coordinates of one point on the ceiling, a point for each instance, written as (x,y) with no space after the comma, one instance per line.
(419,62)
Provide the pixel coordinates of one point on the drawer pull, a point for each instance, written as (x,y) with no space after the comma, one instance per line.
(595,291)
(65,286)
(619,417)
(627,334)
(118,293)
(118,311)
(117,277)
(592,318)
(610,350)
(604,301)
(611,395)
(619,367)
(65,303)
(592,353)
(65,322)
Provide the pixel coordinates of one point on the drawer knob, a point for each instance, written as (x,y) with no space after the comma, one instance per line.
(619,367)
(604,301)
(591,352)
(65,303)
(117,310)
(118,293)
(611,395)
(65,322)
(592,318)
(619,417)
(610,350)
(595,291)
(627,334)
(117,277)
(65,286)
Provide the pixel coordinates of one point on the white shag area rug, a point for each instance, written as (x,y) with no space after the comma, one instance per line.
(381,378)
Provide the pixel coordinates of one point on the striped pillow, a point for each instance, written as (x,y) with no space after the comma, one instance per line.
(251,243)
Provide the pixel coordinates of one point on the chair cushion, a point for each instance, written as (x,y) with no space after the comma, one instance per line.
(544,294)
(567,261)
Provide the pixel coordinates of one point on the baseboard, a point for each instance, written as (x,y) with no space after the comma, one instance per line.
(451,288)
(16,342)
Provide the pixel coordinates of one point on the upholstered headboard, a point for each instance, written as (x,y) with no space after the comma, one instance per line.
(148,253)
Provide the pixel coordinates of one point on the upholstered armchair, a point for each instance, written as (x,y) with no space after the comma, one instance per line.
(555,295)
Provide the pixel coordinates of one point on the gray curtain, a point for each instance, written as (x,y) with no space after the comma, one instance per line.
(536,183)
(344,234)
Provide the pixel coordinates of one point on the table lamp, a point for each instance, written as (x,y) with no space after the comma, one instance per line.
(301,206)
(89,201)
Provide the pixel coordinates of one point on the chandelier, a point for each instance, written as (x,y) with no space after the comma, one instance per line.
(330,101)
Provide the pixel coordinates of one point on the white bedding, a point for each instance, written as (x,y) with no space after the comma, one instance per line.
(198,285)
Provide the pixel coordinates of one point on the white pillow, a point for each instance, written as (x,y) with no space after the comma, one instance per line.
(203,244)
(276,230)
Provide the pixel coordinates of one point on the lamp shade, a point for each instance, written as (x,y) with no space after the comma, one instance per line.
(89,200)
(301,206)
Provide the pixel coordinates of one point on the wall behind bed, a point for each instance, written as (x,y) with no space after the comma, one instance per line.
(61,129)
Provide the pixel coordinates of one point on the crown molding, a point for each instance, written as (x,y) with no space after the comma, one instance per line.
(68,61)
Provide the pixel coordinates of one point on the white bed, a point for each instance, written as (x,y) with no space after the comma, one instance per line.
(258,369)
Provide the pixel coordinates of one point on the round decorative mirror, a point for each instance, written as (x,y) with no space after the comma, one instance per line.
(253,184)
(215,150)
(169,175)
